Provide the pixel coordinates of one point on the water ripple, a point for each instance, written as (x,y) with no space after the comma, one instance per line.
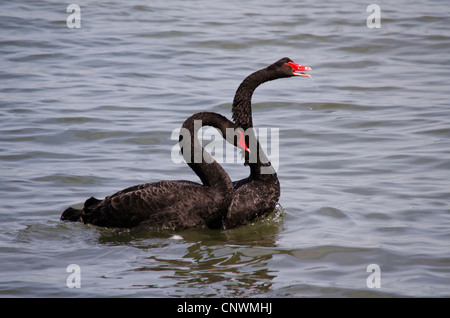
(363,149)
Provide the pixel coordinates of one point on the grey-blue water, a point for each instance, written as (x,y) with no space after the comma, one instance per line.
(364,145)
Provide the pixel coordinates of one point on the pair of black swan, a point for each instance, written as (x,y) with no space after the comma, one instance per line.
(217,202)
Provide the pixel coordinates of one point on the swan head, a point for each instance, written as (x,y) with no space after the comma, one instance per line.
(287,68)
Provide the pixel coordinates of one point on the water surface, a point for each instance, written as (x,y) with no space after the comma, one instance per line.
(363,155)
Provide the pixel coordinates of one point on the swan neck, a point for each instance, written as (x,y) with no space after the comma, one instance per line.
(242,103)
(201,162)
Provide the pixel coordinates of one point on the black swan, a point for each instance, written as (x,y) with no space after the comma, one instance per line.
(171,204)
(257,195)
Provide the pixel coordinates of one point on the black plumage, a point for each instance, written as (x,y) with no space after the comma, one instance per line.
(257,195)
(216,202)
(169,204)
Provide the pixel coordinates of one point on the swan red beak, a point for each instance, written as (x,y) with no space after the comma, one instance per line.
(298,69)
(241,142)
